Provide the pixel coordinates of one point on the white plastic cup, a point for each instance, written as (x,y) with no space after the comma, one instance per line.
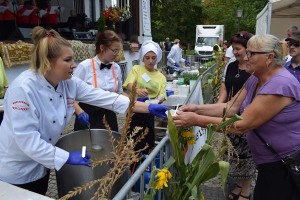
(184,90)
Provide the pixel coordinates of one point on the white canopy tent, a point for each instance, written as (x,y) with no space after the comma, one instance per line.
(277,16)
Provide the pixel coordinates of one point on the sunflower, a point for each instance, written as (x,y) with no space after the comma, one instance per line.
(162,178)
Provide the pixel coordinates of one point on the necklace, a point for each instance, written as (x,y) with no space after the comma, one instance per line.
(238,74)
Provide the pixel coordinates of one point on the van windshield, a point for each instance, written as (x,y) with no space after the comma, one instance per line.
(208,41)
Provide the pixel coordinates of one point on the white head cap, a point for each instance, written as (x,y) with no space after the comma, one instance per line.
(150,46)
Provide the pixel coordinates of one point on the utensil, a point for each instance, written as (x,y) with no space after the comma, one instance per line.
(94,146)
(83,152)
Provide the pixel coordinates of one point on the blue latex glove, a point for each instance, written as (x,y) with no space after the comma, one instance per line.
(187,63)
(179,70)
(158,110)
(142,99)
(176,65)
(76,159)
(83,118)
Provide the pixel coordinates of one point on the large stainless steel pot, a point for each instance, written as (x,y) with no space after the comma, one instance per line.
(71,176)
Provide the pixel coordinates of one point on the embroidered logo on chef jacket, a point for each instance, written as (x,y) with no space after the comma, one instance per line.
(70,102)
(20,105)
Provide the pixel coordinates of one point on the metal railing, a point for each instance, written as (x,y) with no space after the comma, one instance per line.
(164,153)
(163,147)
(207,89)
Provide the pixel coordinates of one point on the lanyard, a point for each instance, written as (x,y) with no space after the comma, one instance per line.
(95,76)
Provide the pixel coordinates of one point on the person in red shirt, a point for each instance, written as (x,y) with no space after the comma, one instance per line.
(30,20)
(7,21)
(51,19)
(7,15)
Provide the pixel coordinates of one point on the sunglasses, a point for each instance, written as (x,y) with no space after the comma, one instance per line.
(249,54)
(296,44)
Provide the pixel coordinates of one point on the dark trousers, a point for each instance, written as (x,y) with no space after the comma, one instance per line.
(143,120)
(170,69)
(39,186)
(274,182)
(96,118)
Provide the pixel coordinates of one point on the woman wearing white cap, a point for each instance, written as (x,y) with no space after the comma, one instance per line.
(150,84)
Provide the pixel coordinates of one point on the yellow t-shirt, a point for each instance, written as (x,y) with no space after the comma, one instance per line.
(156,85)
(3,79)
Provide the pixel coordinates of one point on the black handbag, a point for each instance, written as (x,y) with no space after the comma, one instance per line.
(292,162)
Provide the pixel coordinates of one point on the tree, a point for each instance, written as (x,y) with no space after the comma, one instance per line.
(178,19)
(224,12)
(175,19)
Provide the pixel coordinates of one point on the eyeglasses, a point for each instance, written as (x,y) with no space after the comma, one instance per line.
(296,44)
(249,54)
(115,51)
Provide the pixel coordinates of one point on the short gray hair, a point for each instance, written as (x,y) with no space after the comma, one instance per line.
(268,43)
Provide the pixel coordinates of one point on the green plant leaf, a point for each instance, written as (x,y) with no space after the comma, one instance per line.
(224,169)
(211,172)
(169,162)
(178,154)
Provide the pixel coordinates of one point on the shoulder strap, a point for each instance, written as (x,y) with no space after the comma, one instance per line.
(259,136)
(268,145)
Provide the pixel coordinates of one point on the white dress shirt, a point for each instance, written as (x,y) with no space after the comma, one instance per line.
(35,116)
(105,78)
(175,55)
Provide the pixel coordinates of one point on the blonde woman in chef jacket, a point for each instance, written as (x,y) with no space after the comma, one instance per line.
(38,105)
(101,72)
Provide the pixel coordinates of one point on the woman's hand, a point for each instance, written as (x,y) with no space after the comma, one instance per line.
(189,108)
(142,92)
(185,119)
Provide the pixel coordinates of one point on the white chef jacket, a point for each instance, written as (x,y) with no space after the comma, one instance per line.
(175,55)
(35,116)
(105,78)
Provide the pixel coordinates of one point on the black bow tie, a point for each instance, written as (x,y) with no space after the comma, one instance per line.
(102,66)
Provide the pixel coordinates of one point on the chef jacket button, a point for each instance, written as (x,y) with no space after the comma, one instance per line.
(50,99)
(60,96)
(53,121)
(50,139)
(65,117)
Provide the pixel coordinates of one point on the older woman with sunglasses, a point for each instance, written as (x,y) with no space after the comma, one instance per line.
(270,106)
(242,167)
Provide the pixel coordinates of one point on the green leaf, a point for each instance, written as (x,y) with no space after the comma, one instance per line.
(169,162)
(211,172)
(178,154)
(207,160)
(224,169)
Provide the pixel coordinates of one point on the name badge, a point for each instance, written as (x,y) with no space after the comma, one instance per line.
(146,77)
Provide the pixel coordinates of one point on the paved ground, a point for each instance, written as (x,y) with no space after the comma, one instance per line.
(212,190)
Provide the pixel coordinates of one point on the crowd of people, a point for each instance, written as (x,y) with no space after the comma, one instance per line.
(260,83)
(45,96)
(26,14)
